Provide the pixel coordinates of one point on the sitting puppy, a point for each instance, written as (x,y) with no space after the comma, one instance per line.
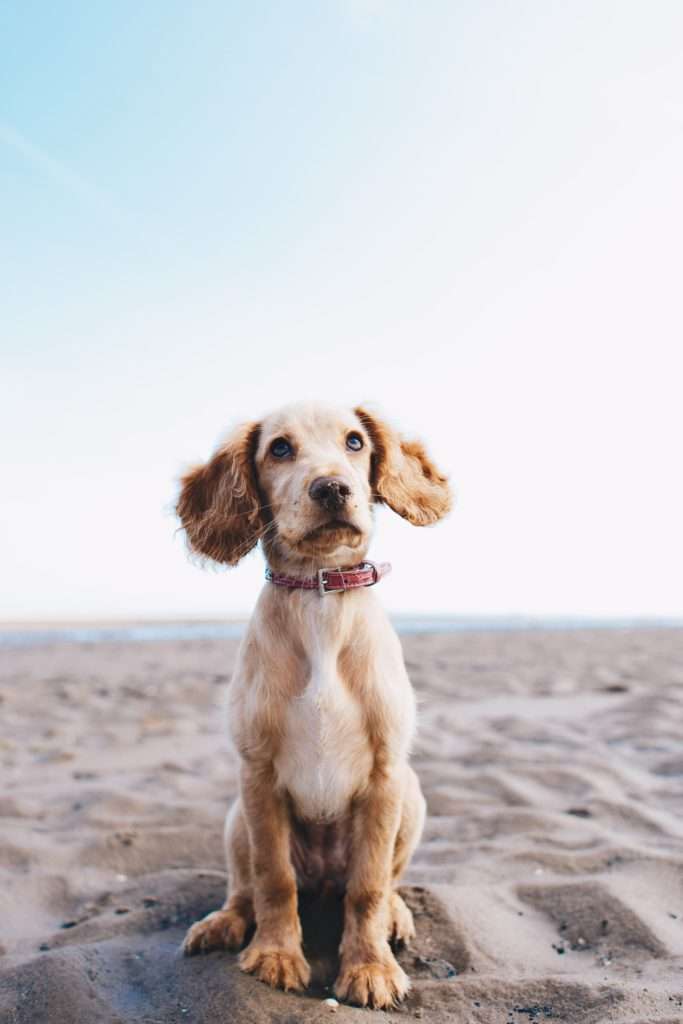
(322,712)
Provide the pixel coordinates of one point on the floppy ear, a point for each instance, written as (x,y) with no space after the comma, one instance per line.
(219,504)
(403,476)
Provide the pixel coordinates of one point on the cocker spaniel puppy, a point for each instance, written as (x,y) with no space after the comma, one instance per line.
(321,709)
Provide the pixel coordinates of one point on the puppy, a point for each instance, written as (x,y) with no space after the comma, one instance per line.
(321,709)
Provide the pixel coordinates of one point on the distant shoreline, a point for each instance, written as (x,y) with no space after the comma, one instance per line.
(41,634)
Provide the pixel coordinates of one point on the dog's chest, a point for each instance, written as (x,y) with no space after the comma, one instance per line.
(324,756)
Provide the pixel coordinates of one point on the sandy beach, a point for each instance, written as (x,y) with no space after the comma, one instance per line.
(548,885)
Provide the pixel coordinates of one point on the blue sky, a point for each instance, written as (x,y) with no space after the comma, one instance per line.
(469,213)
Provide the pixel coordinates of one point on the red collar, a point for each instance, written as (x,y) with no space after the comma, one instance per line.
(329,581)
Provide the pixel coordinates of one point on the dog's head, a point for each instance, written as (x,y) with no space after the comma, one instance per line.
(304,481)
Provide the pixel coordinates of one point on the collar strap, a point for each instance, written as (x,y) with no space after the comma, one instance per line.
(331,581)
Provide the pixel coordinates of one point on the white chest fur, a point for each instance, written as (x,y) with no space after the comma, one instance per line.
(324,756)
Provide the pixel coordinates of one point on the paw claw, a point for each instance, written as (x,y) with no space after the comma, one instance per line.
(223,929)
(275,967)
(381,985)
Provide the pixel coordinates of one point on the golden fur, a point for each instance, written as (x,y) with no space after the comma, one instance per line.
(321,709)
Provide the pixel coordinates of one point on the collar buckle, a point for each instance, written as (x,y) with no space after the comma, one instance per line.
(323,585)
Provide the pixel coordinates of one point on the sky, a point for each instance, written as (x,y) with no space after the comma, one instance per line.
(467,213)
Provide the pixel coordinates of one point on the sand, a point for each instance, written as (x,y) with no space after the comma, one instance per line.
(548,886)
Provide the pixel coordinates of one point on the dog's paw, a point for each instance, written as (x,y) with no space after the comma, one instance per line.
(382,984)
(223,929)
(402,927)
(275,966)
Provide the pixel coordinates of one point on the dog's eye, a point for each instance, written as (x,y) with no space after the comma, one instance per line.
(354,442)
(280,448)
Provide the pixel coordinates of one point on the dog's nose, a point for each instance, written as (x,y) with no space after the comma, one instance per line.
(330,491)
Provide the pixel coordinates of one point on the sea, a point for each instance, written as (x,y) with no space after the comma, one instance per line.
(43,635)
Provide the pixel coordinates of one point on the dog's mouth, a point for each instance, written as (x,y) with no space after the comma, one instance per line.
(337,529)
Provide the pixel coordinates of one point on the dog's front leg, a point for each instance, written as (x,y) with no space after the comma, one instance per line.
(274,954)
(369,973)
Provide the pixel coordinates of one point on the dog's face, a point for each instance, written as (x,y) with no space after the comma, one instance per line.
(313,468)
(304,481)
